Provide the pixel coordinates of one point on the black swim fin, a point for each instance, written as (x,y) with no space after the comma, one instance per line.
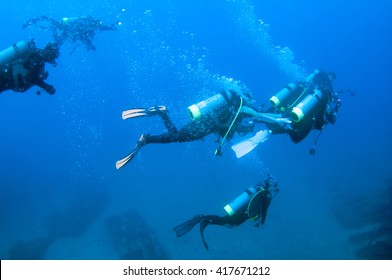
(132,155)
(142,112)
(187,226)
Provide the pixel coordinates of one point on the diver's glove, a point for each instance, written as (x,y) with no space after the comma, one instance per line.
(284,123)
(51,90)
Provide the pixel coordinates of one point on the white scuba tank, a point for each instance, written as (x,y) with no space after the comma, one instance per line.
(209,106)
(240,201)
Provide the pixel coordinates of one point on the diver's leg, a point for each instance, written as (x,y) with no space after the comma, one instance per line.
(33,21)
(167,121)
(209,220)
(140,143)
(190,132)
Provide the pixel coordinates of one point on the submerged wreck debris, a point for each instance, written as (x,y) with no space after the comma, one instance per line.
(71,221)
(369,218)
(132,238)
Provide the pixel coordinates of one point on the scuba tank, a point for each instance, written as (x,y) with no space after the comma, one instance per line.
(310,103)
(240,201)
(311,76)
(15,51)
(210,105)
(68,20)
(288,96)
(306,114)
(280,98)
(72,20)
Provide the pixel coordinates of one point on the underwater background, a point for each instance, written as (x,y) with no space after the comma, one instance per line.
(61,196)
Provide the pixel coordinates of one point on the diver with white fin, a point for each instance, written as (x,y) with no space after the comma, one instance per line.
(246,146)
(252,205)
(304,106)
(221,114)
(295,110)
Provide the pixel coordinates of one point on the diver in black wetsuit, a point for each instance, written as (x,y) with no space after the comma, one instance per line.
(252,204)
(310,104)
(221,114)
(74,29)
(295,110)
(23,66)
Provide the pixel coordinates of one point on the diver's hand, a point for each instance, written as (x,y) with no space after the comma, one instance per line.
(51,90)
(284,123)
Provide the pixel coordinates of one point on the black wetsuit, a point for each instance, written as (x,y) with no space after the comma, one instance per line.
(74,29)
(239,217)
(21,76)
(331,104)
(80,29)
(321,113)
(321,79)
(218,123)
(4,82)
(241,214)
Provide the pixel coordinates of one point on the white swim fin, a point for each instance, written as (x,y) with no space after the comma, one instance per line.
(246,146)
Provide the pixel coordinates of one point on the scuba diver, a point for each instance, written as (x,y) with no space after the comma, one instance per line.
(23,65)
(220,114)
(74,29)
(311,104)
(295,110)
(252,204)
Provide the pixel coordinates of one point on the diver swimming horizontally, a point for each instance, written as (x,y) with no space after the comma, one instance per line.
(252,204)
(221,114)
(309,105)
(74,29)
(295,110)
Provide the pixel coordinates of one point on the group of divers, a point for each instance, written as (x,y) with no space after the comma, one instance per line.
(295,110)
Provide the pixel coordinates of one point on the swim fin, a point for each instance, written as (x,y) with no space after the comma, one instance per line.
(142,112)
(246,146)
(128,158)
(132,155)
(186,227)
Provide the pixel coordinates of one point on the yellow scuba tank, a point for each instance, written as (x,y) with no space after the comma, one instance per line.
(210,105)
(15,51)
(308,104)
(279,99)
(240,201)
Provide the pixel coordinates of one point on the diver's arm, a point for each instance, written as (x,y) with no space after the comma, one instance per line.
(47,87)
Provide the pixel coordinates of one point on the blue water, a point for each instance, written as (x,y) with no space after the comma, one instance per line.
(61,196)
